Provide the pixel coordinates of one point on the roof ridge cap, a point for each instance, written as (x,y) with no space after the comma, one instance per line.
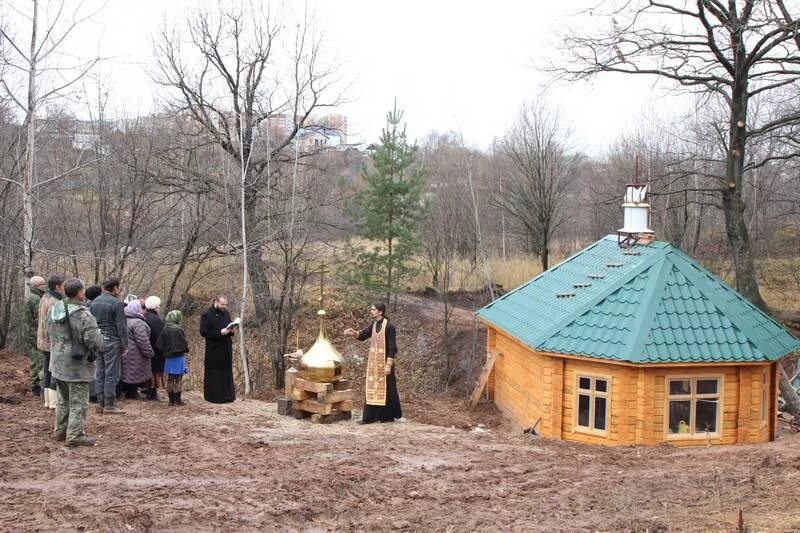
(646,317)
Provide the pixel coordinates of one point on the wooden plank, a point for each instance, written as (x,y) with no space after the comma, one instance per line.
(312,386)
(336,396)
(298,394)
(346,405)
(297,413)
(288,379)
(484,376)
(311,406)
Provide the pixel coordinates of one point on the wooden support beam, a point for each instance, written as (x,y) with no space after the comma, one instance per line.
(312,386)
(298,394)
(288,380)
(346,405)
(334,397)
(312,406)
(491,357)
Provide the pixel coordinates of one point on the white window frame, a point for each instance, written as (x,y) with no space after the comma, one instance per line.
(592,393)
(692,398)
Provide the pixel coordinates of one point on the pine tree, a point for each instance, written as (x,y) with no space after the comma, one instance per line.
(388,210)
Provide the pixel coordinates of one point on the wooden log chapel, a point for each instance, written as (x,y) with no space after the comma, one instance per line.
(630,341)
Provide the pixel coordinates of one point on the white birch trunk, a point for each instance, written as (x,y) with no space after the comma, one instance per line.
(29,175)
(242,185)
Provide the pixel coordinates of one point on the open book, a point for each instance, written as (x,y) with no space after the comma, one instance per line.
(234,324)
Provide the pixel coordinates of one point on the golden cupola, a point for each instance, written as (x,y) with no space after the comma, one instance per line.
(322,362)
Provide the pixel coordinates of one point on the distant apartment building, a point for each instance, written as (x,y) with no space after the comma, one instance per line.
(317,133)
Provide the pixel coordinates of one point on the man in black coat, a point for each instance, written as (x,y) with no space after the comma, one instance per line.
(218,381)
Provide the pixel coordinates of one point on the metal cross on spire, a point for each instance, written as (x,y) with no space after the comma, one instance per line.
(322,271)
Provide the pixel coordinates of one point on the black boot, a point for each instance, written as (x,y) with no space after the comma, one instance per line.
(178,400)
(171,398)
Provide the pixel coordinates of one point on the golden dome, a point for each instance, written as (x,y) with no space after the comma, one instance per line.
(322,362)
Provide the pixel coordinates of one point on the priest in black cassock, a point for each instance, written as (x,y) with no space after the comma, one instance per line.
(382,403)
(218,381)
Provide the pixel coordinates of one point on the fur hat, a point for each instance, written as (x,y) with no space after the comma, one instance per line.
(152,303)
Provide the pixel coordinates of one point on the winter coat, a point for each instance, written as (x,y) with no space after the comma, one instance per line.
(136,360)
(110,315)
(156,325)
(31,317)
(172,342)
(85,339)
(48,300)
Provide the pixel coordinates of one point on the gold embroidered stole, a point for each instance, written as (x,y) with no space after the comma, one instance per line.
(376,376)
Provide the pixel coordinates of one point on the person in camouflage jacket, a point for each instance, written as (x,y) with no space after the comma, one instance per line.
(55,292)
(74,342)
(37,286)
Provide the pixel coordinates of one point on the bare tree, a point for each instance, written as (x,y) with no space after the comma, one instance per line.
(542,166)
(737,51)
(250,101)
(37,55)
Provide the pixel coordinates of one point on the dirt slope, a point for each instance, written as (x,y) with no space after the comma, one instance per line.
(241,467)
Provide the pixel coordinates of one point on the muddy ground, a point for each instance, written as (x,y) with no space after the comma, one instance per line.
(242,467)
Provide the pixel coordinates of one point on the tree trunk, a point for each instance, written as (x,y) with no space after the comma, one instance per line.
(732,204)
(256,267)
(741,249)
(29,176)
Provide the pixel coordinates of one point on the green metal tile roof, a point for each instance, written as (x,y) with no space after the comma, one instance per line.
(647,304)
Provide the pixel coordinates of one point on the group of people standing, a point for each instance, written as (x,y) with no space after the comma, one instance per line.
(94,344)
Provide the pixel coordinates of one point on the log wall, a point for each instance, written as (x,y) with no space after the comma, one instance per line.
(530,386)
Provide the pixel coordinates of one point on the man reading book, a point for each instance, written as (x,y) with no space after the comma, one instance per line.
(218,330)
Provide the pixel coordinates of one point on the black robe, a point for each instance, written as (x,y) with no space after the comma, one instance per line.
(391,411)
(218,381)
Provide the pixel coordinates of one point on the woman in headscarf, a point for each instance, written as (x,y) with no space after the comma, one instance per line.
(172,343)
(136,370)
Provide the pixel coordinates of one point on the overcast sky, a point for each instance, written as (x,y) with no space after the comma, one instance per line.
(465,66)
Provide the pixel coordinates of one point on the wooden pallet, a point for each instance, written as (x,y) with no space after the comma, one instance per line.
(321,402)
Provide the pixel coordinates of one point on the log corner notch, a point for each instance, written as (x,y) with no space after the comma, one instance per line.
(491,357)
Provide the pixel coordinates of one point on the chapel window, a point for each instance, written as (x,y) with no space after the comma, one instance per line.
(693,406)
(593,404)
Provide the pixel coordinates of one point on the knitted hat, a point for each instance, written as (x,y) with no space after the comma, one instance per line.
(152,303)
